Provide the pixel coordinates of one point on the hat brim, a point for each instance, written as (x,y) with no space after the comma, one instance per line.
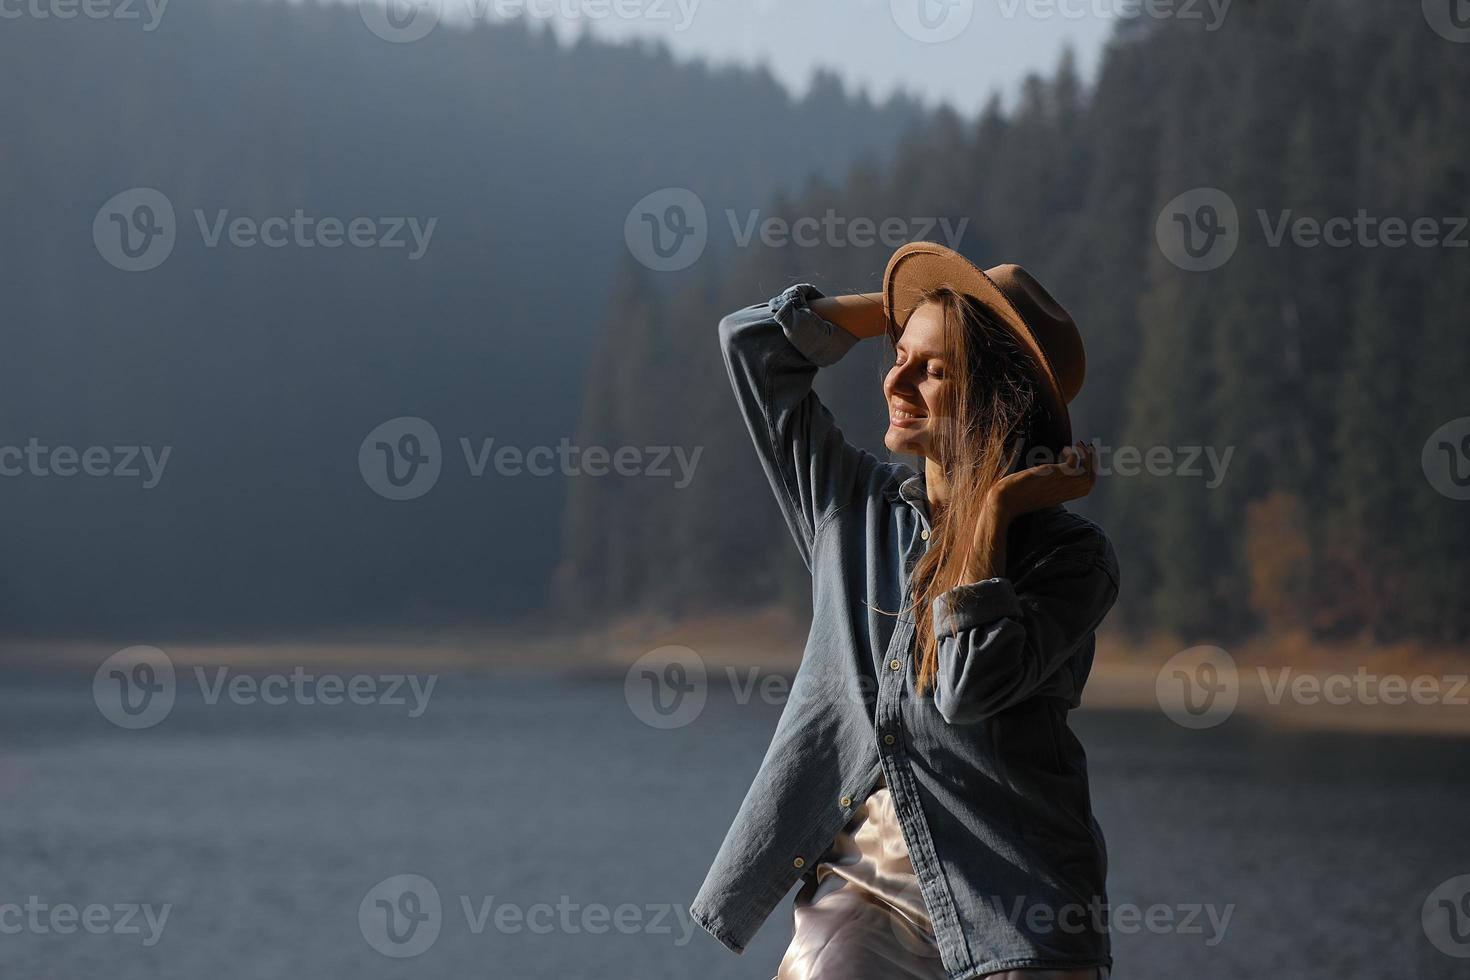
(921,266)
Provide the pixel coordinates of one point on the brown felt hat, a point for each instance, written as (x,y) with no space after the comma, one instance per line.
(1018,301)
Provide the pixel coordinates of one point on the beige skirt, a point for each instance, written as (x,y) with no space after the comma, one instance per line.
(861,915)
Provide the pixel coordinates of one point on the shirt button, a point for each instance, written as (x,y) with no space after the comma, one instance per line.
(895,664)
(847,801)
(799,862)
(924,534)
(888,739)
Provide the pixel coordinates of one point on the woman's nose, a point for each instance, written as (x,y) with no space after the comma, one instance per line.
(897,382)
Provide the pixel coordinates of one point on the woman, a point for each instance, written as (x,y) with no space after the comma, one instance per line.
(922,783)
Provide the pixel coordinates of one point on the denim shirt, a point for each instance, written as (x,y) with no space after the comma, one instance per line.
(989,782)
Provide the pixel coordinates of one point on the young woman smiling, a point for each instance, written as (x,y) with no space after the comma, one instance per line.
(923,784)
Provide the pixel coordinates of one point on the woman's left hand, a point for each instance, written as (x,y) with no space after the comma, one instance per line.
(1049,484)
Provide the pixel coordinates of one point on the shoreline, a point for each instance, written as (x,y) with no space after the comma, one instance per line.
(1285,682)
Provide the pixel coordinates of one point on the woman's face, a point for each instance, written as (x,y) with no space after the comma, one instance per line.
(916,382)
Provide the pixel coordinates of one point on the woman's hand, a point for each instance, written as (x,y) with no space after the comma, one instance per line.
(1049,484)
(1020,493)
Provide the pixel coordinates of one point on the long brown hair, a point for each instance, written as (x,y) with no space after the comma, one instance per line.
(984,427)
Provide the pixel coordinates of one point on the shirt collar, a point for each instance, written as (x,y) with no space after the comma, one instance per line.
(916,492)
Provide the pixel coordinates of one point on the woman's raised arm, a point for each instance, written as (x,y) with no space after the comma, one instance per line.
(773,351)
(860,314)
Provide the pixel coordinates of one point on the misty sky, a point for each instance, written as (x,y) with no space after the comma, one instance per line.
(879,45)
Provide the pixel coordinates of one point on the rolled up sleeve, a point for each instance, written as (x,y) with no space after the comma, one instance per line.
(1000,640)
(819,341)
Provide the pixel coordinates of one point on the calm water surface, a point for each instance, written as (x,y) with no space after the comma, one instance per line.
(546,806)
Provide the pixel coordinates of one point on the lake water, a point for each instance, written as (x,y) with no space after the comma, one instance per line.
(564,838)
